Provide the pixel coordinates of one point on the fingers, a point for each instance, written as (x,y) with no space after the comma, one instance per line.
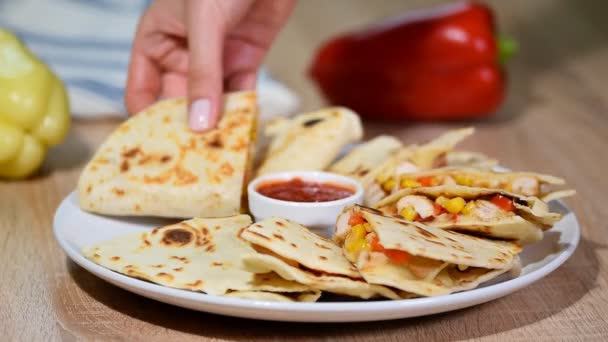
(144,76)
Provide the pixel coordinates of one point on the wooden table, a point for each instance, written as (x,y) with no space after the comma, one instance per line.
(556,121)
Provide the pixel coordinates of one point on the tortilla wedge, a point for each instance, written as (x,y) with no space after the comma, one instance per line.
(296,254)
(377,183)
(363,158)
(154,165)
(521,183)
(524,224)
(310,141)
(420,259)
(203,255)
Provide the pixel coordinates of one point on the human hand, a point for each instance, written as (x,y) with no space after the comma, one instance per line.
(201,48)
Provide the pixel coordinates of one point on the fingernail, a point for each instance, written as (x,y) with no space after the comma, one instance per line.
(200,115)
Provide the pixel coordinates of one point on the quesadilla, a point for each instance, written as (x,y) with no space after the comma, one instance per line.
(490,212)
(380,182)
(419,259)
(310,141)
(521,183)
(202,255)
(154,165)
(296,254)
(363,158)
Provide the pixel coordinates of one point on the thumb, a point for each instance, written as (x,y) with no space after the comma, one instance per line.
(206,30)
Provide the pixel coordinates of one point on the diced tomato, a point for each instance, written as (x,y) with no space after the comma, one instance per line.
(426,219)
(426,181)
(376,246)
(355,219)
(454,218)
(438,209)
(397,256)
(394,255)
(503,202)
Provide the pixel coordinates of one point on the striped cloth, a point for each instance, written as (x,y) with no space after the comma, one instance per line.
(87,43)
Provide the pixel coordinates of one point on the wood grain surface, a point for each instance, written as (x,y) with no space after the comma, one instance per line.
(556,121)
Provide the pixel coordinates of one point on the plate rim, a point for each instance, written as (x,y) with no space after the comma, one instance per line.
(390,308)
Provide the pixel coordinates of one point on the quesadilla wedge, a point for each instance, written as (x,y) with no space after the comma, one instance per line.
(521,183)
(203,255)
(419,259)
(154,165)
(380,182)
(310,141)
(490,212)
(363,158)
(296,254)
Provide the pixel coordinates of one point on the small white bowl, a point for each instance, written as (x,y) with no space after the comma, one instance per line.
(319,216)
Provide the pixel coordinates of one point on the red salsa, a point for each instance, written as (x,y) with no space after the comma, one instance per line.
(298,190)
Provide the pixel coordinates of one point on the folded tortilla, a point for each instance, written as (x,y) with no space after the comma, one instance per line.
(296,254)
(381,180)
(470,160)
(310,141)
(420,259)
(154,165)
(363,158)
(203,255)
(525,224)
(521,183)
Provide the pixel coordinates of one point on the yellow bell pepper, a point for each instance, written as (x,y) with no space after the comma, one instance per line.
(34,110)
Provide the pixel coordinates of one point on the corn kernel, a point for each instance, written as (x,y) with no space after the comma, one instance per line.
(389,185)
(468,208)
(358,245)
(368,227)
(408,213)
(358,231)
(408,183)
(441,200)
(463,180)
(381,178)
(454,205)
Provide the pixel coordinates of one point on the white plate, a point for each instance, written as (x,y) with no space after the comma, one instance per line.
(75,229)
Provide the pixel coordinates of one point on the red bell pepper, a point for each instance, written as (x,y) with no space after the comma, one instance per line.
(437,64)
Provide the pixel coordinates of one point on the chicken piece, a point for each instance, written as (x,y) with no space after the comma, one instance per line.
(423,206)
(527,186)
(485,210)
(405,168)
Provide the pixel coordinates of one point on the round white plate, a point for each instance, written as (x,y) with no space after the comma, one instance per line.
(75,229)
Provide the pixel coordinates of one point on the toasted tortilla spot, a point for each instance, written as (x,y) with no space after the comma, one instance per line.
(210,248)
(184,177)
(101,160)
(89,188)
(115,258)
(195,284)
(293,245)
(435,242)
(313,122)
(205,230)
(93,168)
(182,259)
(165,159)
(217,228)
(178,269)
(279,223)
(261,236)
(226,169)
(426,233)
(167,276)
(131,152)
(278,236)
(155,230)
(124,166)
(215,141)
(217,264)
(179,237)
(157,266)
(118,192)
(137,208)
(166,119)
(321,246)
(324,258)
